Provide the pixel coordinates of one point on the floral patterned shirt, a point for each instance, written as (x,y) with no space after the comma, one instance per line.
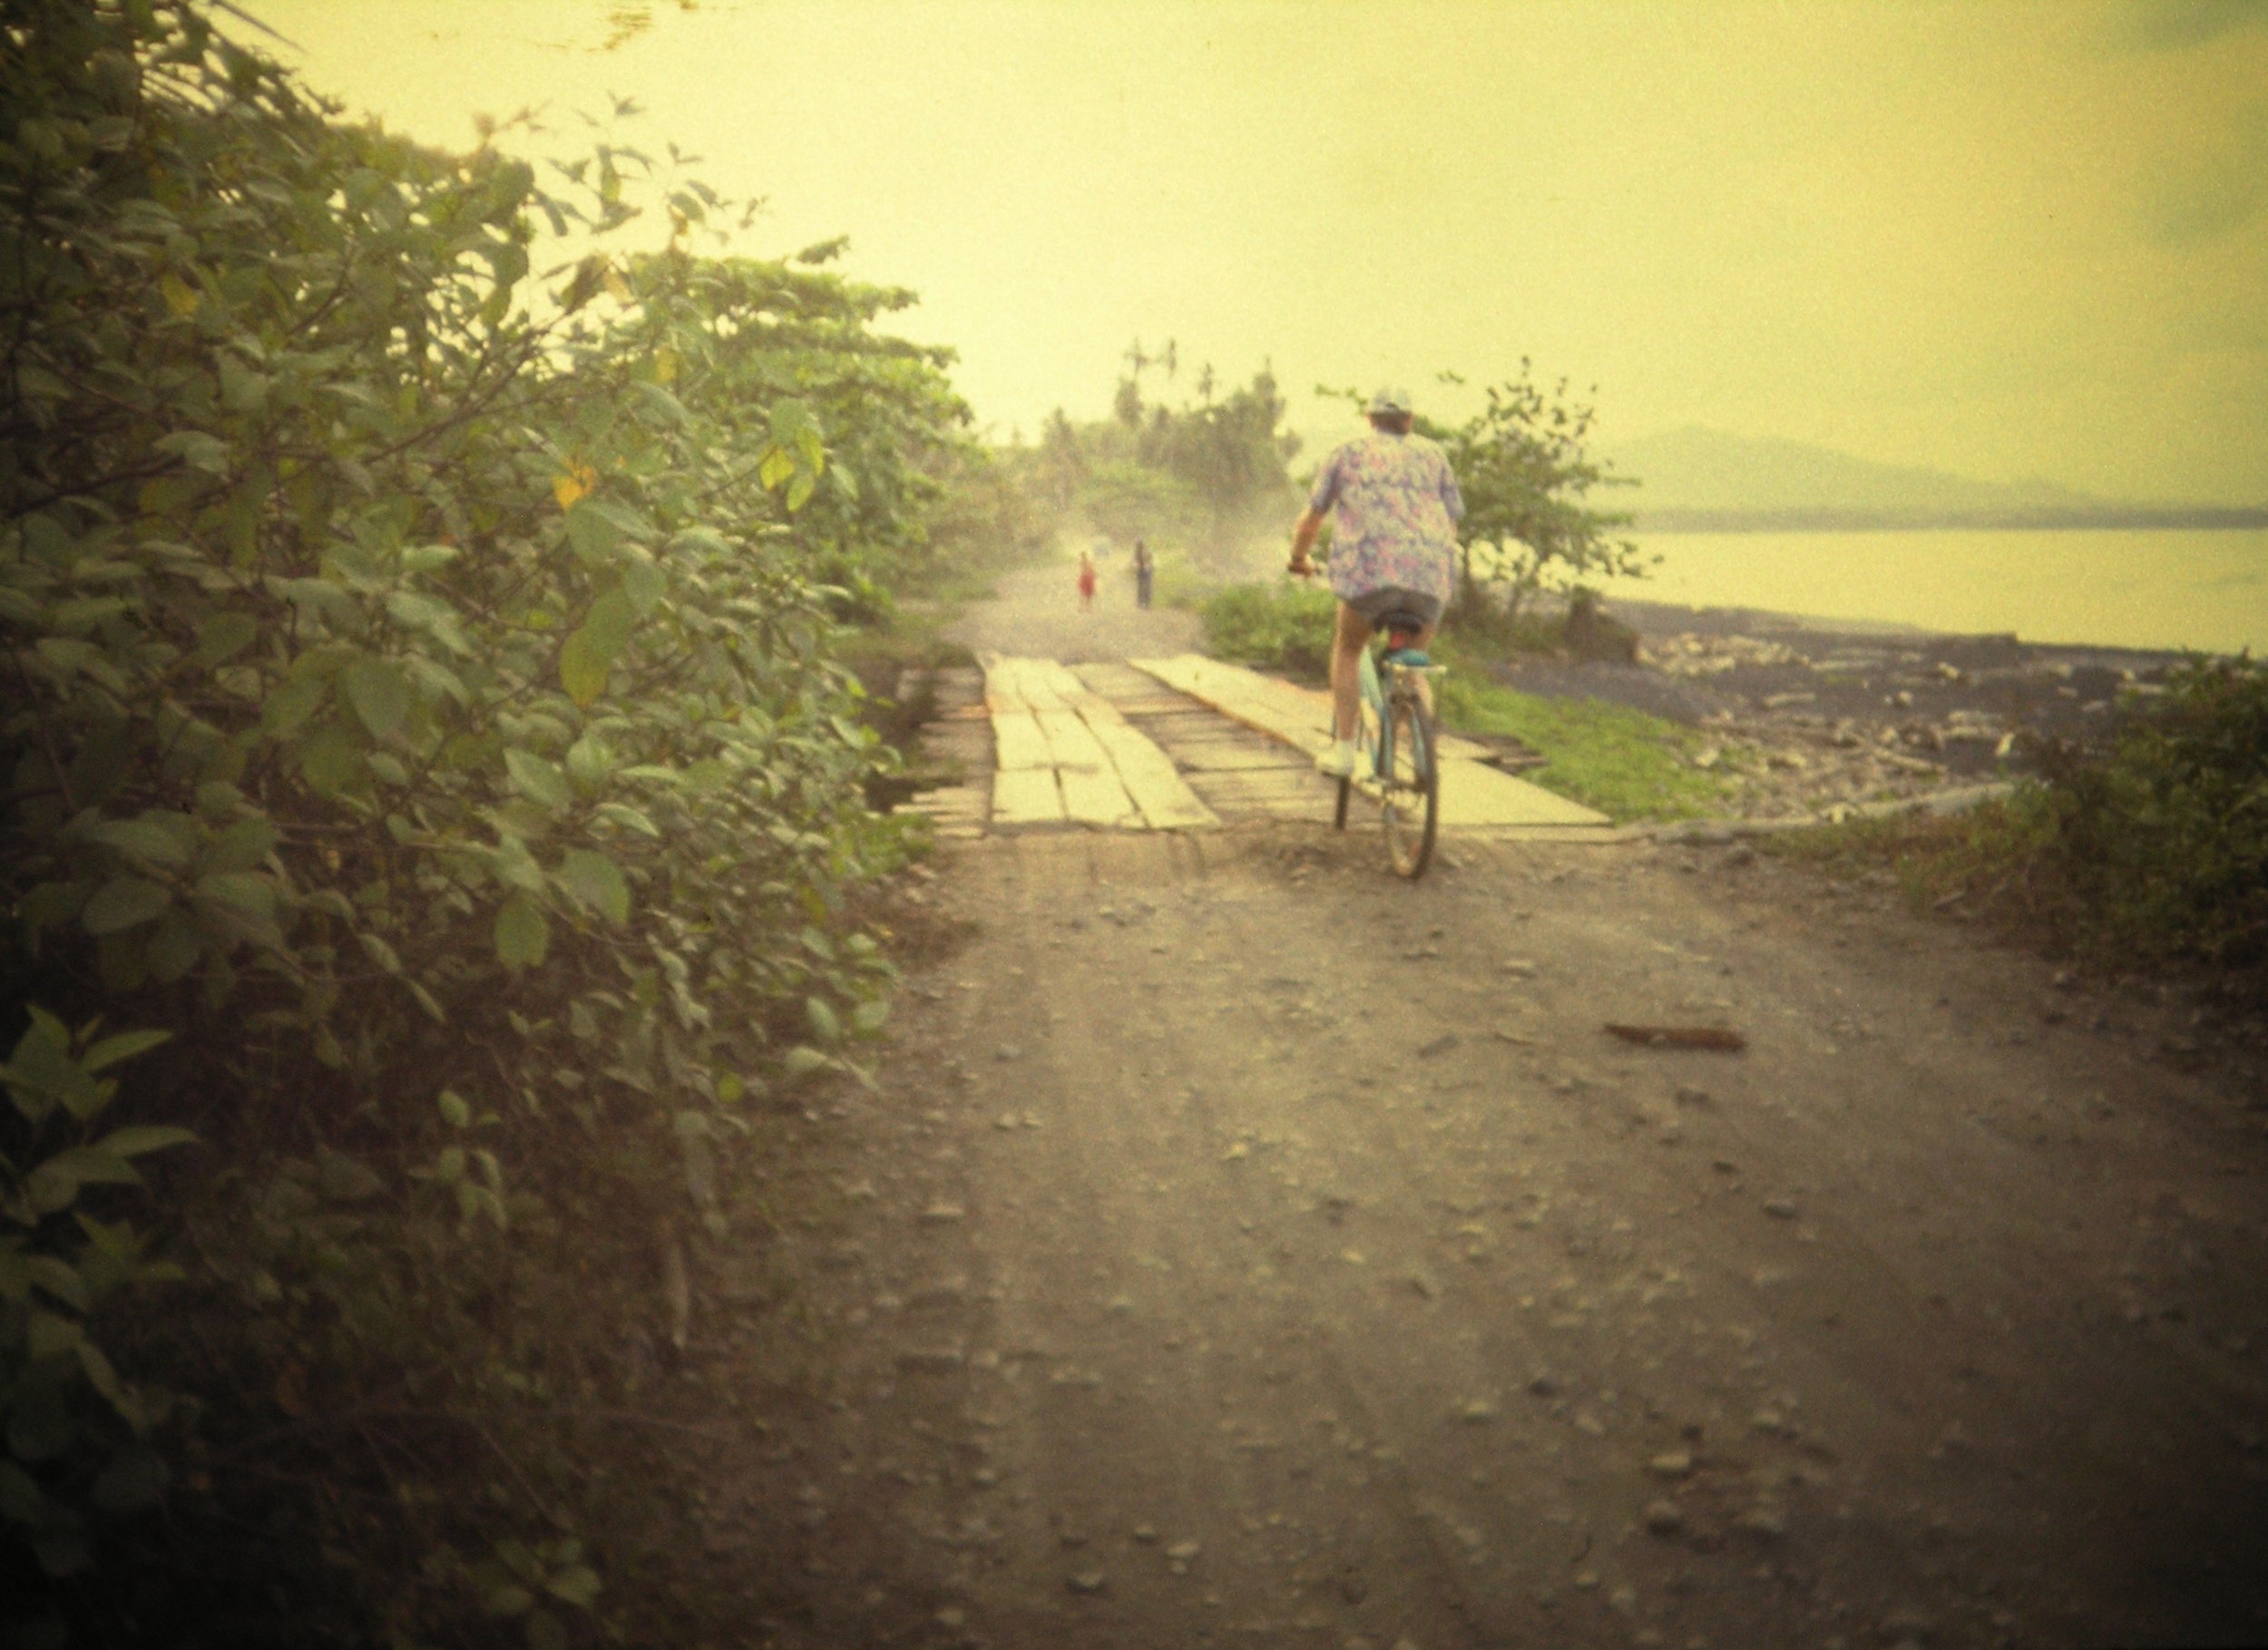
(1398,510)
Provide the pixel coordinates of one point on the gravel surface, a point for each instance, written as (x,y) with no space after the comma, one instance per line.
(1239,1246)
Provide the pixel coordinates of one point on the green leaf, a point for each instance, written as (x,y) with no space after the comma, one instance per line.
(224,636)
(825,1026)
(644,585)
(589,760)
(105,1380)
(51,1336)
(247,899)
(454,1109)
(141,839)
(58,1280)
(539,779)
(123,902)
(54,1185)
(379,693)
(174,948)
(123,1046)
(775,469)
(331,761)
(630,818)
(596,883)
(143,1137)
(592,531)
(801,1061)
(579,1587)
(524,935)
(243,846)
(590,651)
(583,667)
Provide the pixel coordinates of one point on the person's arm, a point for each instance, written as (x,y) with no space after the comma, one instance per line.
(1310,522)
(1303,531)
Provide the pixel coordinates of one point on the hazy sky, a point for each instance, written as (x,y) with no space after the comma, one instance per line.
(2005,239)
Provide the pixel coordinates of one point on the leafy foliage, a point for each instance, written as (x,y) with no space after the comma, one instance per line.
(425,711)
(1280,627)
(1201,472)
(2150,852)
(1527,477)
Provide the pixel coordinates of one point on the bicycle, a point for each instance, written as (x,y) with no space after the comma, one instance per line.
(1396,735)
(1395,738)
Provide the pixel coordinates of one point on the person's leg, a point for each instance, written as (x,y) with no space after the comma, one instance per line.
(1347,642)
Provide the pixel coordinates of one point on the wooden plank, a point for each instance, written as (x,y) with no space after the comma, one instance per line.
(1002,690)
(1071,742)
(1226,755)
(1027,795)
(1036,677)
(1018,741)
(1165,799)
(1093,796)
(1473,793)
(1048,676)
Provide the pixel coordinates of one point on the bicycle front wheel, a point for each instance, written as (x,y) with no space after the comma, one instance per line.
(1413,791)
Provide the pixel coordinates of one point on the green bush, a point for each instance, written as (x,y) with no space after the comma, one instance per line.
(2154,851)
(1280,627)
(426,715)
(2165,843)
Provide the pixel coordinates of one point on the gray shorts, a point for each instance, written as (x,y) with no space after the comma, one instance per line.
(1374,605)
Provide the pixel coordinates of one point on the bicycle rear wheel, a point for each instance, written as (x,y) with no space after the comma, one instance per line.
(1413,791)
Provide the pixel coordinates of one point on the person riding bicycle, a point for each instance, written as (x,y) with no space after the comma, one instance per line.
(1393,549)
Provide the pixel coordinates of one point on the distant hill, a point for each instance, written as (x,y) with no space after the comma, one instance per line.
(1701,479)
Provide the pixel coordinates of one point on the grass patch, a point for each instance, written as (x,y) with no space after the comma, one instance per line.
(1626,763)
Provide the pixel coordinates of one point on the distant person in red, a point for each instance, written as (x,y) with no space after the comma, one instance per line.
(1086,580)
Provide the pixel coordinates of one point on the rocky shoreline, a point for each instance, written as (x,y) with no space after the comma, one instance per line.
(1822,721)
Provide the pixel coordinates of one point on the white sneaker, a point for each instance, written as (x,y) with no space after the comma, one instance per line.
(1338,762)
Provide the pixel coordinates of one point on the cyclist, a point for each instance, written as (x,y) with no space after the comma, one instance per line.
(1394,548)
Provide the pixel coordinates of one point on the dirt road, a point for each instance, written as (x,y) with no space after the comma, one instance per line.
(1242,1247)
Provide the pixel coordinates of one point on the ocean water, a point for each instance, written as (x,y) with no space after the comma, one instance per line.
(2203,590)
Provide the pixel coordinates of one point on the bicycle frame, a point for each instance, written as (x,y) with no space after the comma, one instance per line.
(1395,699)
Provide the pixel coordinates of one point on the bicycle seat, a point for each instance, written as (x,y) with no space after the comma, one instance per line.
(1402,628)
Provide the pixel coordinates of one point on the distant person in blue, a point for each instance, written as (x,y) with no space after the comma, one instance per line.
(1144,567)
(1393,546)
